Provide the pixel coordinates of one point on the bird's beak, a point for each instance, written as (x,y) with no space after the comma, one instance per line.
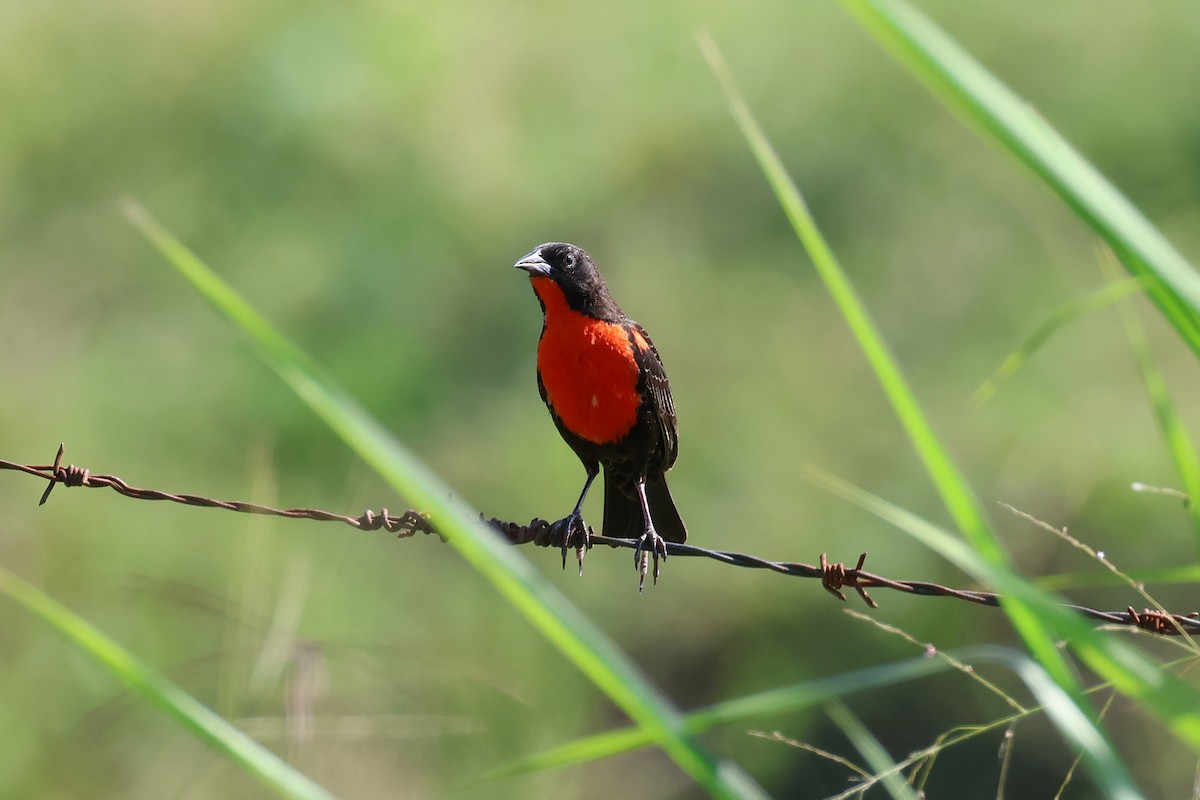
(534,264)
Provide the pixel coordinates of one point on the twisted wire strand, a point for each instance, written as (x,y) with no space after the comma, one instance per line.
(834,576)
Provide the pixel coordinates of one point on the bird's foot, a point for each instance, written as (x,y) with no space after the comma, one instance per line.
(576,534)
(650,547)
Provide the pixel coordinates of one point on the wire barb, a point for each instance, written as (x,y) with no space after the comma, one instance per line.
(1159,622)
(564,534)
(835,576)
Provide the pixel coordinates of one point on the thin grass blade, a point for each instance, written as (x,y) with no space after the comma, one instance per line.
(1055,703)
(191,714)
(1174,434)
(547,609)
(1162,575)
(976,95)
(871,750)
(774,701)
(1101,298)
(949,481)
(1131,672)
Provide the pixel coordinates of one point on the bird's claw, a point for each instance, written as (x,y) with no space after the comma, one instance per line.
(575,533)
(650,547)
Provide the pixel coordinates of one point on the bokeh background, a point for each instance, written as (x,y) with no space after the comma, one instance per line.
(366,174)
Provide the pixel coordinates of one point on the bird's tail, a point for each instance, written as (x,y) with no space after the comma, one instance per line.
(623,512)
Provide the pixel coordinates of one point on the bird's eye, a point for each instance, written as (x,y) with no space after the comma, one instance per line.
(569,262)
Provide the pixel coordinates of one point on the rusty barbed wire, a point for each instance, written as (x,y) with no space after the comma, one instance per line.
(542,533)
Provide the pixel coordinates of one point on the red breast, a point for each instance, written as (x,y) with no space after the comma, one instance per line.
(588,369)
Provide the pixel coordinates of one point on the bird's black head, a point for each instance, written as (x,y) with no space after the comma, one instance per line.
(574,272)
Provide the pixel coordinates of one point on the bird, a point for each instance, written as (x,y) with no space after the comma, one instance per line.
(602,379)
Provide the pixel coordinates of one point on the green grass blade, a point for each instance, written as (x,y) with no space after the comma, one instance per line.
(1105,765)
(971,91)
(1162,575)
(546,609)
(1130,671)
(956,494)
(1183,453)
(870,748)
(774,701)
(1054,702)
(1066,313)
(184,709)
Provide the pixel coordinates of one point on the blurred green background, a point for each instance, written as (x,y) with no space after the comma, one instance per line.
(366,174)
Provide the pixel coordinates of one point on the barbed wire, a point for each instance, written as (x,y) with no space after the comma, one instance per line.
(834,576)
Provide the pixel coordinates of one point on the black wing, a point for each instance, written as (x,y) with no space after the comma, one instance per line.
(657,389)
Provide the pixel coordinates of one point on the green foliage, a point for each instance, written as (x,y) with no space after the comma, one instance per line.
(364,176)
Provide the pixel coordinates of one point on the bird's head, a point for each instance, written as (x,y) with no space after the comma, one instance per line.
(573,272)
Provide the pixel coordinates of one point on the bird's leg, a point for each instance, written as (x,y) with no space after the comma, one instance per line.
(650,545)
(574,520)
